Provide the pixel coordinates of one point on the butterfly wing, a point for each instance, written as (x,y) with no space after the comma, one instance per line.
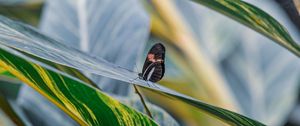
(154,66)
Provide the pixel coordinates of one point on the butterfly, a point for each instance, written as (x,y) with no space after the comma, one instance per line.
(154,65)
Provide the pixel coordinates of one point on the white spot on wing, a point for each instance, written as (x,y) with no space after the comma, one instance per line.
(150,73)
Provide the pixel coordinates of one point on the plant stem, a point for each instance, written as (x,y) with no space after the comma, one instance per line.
(143,101)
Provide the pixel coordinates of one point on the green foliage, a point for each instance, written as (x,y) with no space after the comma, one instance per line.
(85,104)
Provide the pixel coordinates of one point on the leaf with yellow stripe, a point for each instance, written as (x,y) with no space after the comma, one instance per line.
(84,104)
(4,72)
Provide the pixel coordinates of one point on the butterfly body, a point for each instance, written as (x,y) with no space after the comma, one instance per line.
(154,66)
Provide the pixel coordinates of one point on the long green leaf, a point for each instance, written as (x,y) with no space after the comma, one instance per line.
(256,19)
(85,104)
(27,40)
(70,71)
(223,114)
(4,72)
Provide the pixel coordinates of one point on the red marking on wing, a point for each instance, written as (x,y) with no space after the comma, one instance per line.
(151,57)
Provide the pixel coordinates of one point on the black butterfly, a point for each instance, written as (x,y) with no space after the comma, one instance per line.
(154,66)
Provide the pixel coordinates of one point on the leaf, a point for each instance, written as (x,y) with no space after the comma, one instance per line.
(21,37)
(254,18)
(70,71)
(4,72)
(83,103)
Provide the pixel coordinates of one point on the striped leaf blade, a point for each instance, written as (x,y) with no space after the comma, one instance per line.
(86,105)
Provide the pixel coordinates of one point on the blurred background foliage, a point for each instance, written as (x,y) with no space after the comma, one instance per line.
(28,11)
(255,76)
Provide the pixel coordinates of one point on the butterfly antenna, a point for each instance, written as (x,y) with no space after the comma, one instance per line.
(154,85)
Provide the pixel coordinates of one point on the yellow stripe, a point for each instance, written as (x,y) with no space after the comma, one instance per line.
(2,70)
(19,75)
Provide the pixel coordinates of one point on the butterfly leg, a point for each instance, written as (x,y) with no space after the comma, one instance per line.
(156,86)
(153,84)
(148,84)
(133,79)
